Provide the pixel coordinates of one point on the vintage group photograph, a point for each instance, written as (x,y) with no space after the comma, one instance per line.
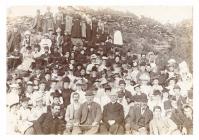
(100,70)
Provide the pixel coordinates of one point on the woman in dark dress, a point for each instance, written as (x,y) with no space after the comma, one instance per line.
(76,28)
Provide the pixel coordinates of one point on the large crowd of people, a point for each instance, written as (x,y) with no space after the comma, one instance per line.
(70,74)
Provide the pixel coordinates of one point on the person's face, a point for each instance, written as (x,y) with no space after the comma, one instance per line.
(143,105)
(122,86)
(56,100)
(42,86)
(46,50)
(38,12)
(29,89)
(144,82)
(26,79)
(113,98)
(137,89)
(172,82)
(55,70)
(123,58)
(54,85)
(56,110)
(82,72)
(76,98)
(143,56)
(82,52)
(176,91)
(71,66)
(78,67)
(66,85)
(188,112)
(117,59)
(37,72)
(55,50)
(107,92)
(171,68)
(47,76)
(174,104)
(155,82)
(36,82)
(157,113)
(165,94)
(14,76)
(89,99)
(67,54)
(142,68)
(72,61)
(148,68)
(39,103)
(36,49)
(15,30)
(25,104)
(91,49)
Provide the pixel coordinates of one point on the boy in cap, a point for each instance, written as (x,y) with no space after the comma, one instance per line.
(123,93)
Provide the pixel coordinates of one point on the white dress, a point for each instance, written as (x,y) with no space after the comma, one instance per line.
(118,40)
(28,58)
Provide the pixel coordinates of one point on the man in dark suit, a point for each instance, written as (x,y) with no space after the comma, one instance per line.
(124,93)
(48,123)
(113,117)
(89,116)
(138,118)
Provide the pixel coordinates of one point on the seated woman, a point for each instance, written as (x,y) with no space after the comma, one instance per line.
(27,59)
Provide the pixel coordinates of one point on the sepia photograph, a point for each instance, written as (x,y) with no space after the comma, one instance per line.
(100,70)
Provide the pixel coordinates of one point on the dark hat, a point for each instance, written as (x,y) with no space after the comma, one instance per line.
(29,83)
(53,80)
(165,90)
(94,69)
(42,81)
(48,72)
(28,47)
(137,85)
(107,87)
(89,93)
(26,74)
(25,99)
(156,92)
(122,82)
(56,94)
(143,99)
(66,79)
(143,64)
(176,87)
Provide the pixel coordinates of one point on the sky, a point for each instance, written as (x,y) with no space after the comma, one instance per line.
(163,14)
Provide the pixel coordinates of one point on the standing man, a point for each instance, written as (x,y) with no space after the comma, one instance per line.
(89,116)
(14,40)
(37,25)
(113,117)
